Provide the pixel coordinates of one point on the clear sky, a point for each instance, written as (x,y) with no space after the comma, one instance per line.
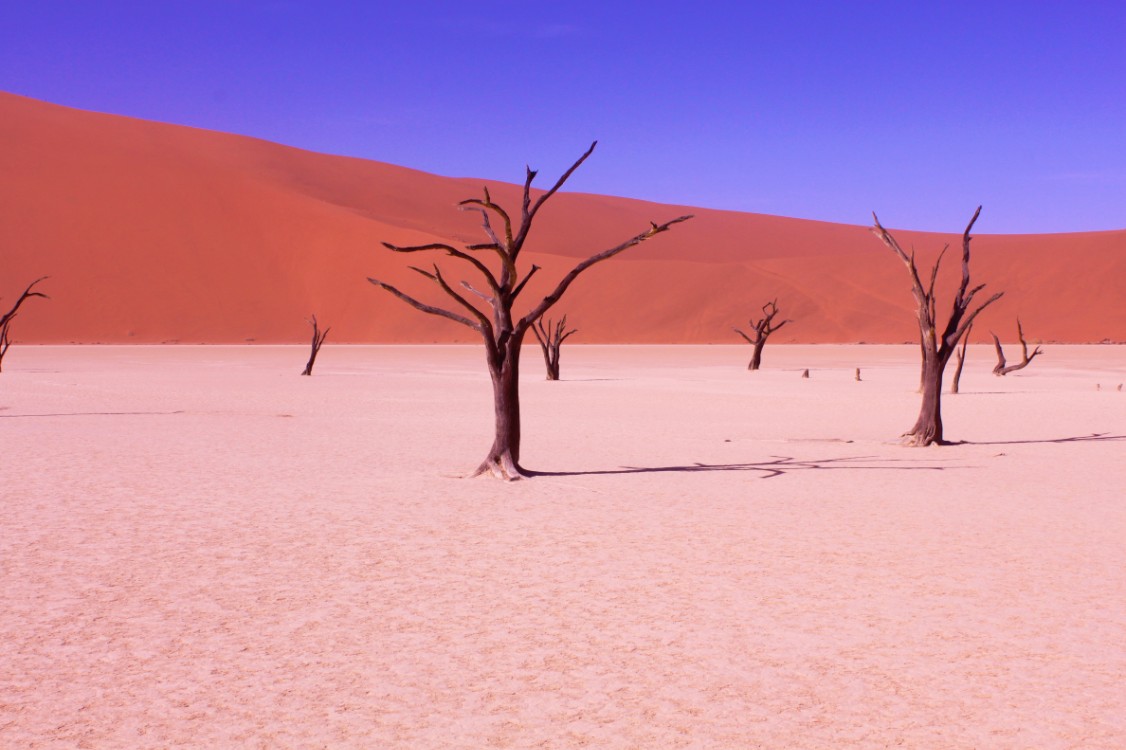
(822,110)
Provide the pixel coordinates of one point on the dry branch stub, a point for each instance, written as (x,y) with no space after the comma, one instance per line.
(1025,358)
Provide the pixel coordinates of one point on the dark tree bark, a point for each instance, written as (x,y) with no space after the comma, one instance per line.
(502,330)
(1025,357)
(315,346)
(937,347)
(551,338)
(762,330)
(6,318)
(961,361)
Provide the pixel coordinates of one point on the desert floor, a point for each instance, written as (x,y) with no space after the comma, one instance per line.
(200,548)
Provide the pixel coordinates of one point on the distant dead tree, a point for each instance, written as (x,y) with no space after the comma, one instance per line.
(6,318)
(961,361)
(551,338)
(315,347)
(501,330)
(1025,357)
(762,329)
(937,348)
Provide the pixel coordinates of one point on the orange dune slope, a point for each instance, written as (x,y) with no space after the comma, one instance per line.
(152,233)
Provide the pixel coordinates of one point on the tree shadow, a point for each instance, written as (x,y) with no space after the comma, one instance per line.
(587,380)
(1094,437)
(92,414)
(769,469)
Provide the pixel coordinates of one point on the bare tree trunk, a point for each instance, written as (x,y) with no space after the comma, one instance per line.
(961,361)
(928,426)
(503,460)
(315,346)
(551,362)
(756,355)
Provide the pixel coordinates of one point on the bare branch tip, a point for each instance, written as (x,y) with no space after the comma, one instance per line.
(972,222)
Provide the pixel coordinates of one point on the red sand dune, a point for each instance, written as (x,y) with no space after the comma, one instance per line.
(153,232)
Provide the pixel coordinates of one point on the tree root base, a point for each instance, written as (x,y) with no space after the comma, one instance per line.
(912,440)
(500,468)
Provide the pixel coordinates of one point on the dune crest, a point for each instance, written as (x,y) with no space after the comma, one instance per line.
(153,232)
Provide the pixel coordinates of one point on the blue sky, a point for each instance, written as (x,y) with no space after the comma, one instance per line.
(919,111)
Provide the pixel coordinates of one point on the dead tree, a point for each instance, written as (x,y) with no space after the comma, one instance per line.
(502,329)
(762,328)
(961,361)
(551,338)
(937,347)
(1025,357)
(315,347)
(6,318)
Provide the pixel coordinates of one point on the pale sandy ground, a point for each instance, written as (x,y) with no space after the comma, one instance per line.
(199,548)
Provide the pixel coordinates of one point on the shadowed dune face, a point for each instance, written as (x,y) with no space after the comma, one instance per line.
(154,232)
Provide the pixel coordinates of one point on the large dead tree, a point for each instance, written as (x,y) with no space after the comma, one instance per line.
(315,346)
(502,329)
(6,318)
(551,338)
(937,346)
(762,330)
(1025,357)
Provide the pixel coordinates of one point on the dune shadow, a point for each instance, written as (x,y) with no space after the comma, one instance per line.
(1094,437)
(776,467)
